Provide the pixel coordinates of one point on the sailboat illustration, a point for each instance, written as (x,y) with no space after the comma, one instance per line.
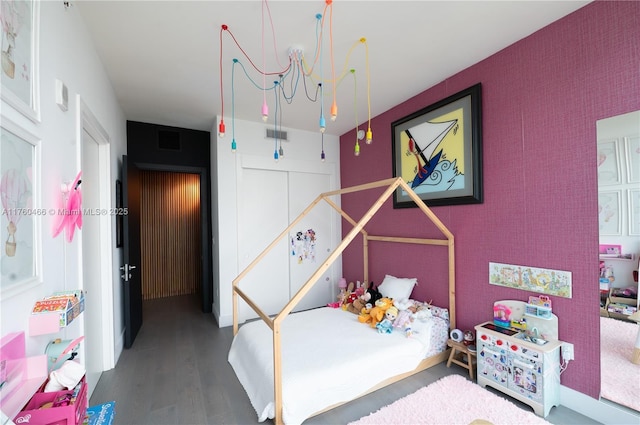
(432,133)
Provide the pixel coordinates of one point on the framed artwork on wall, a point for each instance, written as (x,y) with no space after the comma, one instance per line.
(609,221)
(608,163)
(632,154)
(19,74)
(20,227)
(438,151)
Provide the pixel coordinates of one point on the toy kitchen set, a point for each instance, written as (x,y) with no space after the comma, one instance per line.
(519,353)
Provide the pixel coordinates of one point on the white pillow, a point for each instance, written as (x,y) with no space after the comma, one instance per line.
(397,288)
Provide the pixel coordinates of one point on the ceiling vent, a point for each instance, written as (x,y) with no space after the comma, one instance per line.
(277,134)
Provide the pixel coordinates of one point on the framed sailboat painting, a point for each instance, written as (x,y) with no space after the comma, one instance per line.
(438,151)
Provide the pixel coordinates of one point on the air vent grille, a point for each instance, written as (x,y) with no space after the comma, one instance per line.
(169,140)
(277,134)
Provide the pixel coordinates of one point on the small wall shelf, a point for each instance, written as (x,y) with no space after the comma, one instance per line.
(51,321)
(607,257)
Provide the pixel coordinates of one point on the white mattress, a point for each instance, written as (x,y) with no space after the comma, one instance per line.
(328,357)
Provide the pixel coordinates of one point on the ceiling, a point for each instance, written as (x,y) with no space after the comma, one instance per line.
(163,57)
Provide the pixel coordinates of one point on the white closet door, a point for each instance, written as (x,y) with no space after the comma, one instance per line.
(263,215)
(312,240)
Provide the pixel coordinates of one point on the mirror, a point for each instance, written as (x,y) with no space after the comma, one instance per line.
(619,231)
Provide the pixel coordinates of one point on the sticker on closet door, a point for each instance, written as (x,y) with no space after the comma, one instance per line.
(303,246)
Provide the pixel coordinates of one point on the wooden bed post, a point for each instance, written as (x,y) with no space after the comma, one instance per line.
(234,300)
(277,372)
(365,258)
(452,284)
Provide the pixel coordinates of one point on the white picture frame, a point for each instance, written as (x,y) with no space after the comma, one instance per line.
(609,220)
(632,155)
(608,163)
(633,202)
(20,243)
(19,73)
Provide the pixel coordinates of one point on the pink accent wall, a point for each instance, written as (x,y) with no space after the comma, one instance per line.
(541,99)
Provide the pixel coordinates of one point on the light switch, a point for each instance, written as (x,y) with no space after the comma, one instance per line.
(62,95)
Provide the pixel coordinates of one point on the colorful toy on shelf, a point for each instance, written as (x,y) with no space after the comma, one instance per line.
(469,338)
(519,324)
(539,306)
(501,315)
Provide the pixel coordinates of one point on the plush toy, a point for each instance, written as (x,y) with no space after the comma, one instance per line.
(366,295)
(364,316)
(405,315)
(423,313)
(386,325)
(353,303)
(346,296)
(377,312)
(374,294)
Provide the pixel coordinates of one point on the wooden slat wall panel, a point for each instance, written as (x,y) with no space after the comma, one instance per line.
(170,234)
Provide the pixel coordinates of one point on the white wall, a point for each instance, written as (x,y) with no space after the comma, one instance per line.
(303,150)
(66,53)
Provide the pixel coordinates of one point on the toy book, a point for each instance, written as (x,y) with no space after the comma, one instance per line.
(47,306)
(101,414)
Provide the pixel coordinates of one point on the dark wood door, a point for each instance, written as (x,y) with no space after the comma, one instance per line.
(131,270)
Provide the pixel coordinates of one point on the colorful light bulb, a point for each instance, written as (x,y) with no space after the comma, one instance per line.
(221,128)
(334,111)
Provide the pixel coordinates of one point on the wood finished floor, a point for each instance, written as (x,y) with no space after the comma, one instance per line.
(177,373)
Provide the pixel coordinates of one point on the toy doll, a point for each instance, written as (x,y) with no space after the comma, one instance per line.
(386,324)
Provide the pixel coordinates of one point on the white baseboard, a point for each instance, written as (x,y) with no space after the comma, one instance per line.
(601,410)
(223,321)
(119,347)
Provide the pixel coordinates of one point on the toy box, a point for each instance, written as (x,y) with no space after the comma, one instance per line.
(623,296)
(67,407)
(621,309)
(101,414)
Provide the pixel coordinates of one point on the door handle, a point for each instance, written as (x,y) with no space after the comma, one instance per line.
(126,275)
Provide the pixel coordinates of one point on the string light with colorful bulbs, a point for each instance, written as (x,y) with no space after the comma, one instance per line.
(296,71)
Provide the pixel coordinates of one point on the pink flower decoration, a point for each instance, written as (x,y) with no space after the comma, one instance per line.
(72,215)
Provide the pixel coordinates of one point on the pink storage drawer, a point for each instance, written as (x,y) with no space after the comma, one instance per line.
(72,414)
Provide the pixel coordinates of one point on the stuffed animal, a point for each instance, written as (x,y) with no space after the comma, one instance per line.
(367,295)
(364,316)
(405,315)
(353,303)
(377,312)
(423,313)
(386,325)
(346,297)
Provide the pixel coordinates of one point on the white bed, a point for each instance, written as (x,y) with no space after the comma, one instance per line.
(316,374)
(290,371)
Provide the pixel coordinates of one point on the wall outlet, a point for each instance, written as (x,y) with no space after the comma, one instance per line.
(567,351)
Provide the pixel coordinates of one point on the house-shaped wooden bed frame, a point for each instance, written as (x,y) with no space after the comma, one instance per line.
(358,228)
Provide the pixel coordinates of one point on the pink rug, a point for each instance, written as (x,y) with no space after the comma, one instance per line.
(451,400)
(620,379)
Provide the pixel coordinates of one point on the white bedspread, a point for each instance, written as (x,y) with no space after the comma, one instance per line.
(328,357)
